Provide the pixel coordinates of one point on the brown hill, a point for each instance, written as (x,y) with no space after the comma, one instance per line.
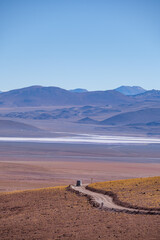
(55,213)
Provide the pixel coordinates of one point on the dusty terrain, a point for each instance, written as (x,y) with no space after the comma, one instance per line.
(141,192)
(59,214)
(106,202)
(34,165)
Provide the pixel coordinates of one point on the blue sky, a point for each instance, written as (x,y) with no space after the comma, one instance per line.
(93,44)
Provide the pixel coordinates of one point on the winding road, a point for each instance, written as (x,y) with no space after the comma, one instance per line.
(106,202)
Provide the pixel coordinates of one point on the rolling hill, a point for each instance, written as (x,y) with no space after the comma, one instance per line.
(55,213)
(152,95)
(67,112)
(14,125)
(144,116)
(53,96)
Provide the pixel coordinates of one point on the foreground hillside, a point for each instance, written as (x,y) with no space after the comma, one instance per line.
(55,213)
(139,192)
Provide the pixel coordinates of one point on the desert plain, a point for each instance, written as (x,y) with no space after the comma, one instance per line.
(37,165)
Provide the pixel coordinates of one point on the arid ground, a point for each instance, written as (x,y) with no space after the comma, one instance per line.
(138,192)
(59,214)
(36,165)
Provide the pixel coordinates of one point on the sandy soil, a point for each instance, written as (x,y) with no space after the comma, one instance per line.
(32,165)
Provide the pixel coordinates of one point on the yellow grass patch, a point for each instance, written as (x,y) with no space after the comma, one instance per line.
(142,192)
(35,190)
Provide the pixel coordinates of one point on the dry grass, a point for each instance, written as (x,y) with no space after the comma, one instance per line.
(55,213)
(142,192)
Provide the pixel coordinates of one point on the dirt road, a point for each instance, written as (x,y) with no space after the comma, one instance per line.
(106,202)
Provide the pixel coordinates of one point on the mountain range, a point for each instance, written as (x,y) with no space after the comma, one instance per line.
(90,109)
(53,96)
(37,96)
(126,90)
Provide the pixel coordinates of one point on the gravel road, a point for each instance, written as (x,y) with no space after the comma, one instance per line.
(106,202)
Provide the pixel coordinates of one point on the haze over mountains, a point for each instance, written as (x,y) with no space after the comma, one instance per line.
(95,110)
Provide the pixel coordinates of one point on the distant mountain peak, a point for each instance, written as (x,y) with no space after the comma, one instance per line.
(130,90)
(78,90)
(149,94)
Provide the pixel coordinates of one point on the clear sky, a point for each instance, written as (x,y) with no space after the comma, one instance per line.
(93,44)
